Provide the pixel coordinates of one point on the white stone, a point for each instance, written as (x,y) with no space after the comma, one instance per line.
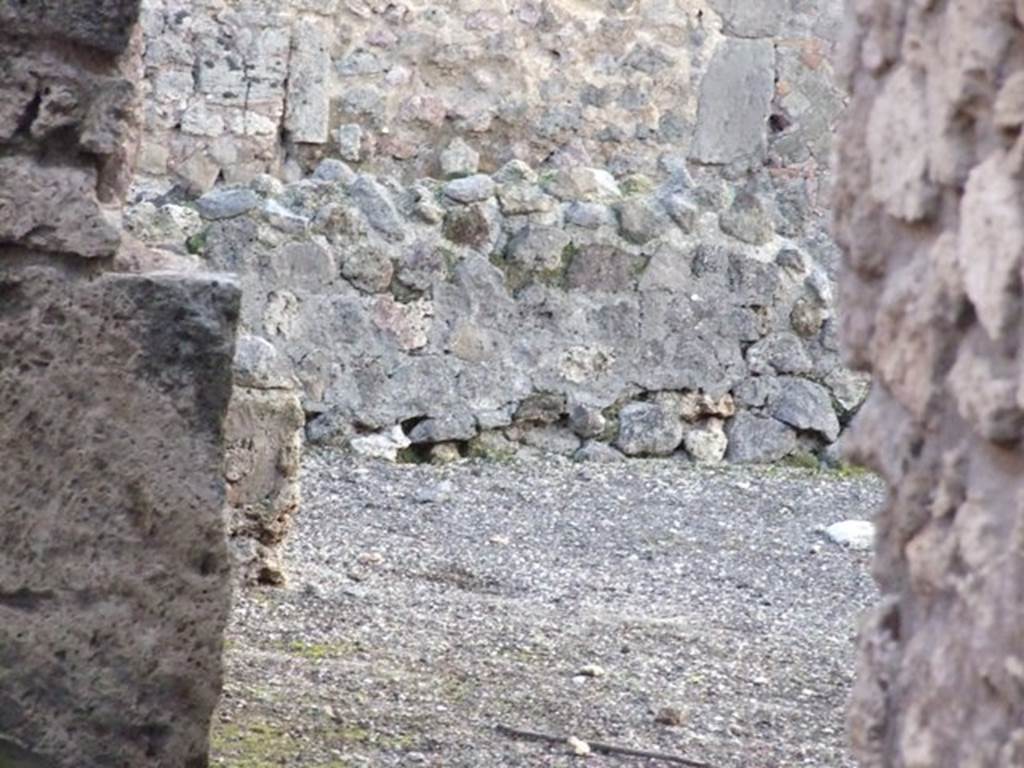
(459,159)
(855,534)
(706,443)
(382,445)
(578,746)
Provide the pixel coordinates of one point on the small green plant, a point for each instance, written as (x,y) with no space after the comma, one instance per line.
(196,244)
(321,651)
(802,460)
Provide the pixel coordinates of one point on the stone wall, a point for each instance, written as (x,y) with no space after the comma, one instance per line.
(114,586)
(521,312)
(239,87)
(515,226)
(929,212)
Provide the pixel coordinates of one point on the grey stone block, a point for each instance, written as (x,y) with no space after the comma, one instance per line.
(735,101)
(114,583)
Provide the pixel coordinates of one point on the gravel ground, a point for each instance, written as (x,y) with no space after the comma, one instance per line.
(695,612)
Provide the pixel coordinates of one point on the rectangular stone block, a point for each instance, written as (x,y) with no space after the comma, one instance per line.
(264,447)
(114,578)
(308,97)
(735,102)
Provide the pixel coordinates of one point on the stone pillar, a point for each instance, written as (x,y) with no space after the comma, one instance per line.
(114,573)
(930,213)
(263,429)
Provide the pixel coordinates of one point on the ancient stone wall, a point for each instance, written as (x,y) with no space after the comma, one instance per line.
(930,213)
(237,87)
(515,226)
(114,578)
(561,312)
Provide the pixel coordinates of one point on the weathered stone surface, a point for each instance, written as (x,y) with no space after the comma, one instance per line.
(444,429)
(397,306)
(375,203)
(538,248)
(226,203)
(706,442)
(641,219)
(779,353)
(589,215)
(735,101)
(567,84)
(586,421)
(541,408)
(603,268)
(263,431)
(113,584)
(742,18)
(103,24)
(696,405)
(382,445)
(758,439)
(459,159)
(54,209)
(589,185)
(649,429)
(747,220)
(471,189)
(264,447)
(350,139)
(805,405)
(927,211)
(167,227)
(683,211)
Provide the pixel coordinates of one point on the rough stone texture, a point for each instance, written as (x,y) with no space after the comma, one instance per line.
(928,211)
(476,318)
(307,118)
(114,582)
(263,432)
(114,585)
(61,105)
(627,86)
(104,24)
(607,201)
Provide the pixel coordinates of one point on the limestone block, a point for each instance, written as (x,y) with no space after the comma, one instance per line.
(114,587)
(306,118)
(263,431)
(735,101)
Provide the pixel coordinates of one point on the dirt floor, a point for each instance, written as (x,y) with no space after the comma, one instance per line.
(648,604)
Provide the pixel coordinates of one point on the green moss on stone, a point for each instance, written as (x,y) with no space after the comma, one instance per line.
(196,245)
